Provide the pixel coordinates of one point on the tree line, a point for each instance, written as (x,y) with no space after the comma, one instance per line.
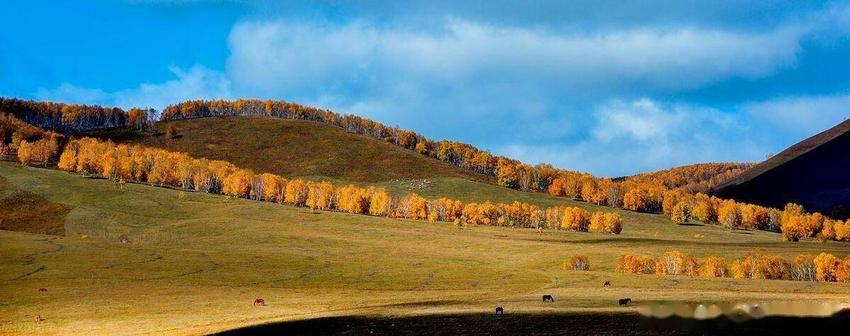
(793,222)
(66,118)
(681,188)
(692,179)
(32,145)
(823,267)
(136,163)
(508,172)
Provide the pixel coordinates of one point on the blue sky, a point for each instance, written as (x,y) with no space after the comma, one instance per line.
(609,87)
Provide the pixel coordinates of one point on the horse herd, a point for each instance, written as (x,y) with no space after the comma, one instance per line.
(547,298)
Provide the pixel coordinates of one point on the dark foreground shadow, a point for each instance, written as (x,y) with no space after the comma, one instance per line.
(548,324)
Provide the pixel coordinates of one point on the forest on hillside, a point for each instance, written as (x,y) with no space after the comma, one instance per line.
(679,193)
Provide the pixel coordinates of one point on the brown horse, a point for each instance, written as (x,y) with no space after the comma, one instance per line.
(42,290)
(500,311)
(548,298)
(607,284)
(625,302)
(259,302)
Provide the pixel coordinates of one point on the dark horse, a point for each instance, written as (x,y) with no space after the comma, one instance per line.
(548,298)
(500,311)
(259,302)
(625,302)
(607,284)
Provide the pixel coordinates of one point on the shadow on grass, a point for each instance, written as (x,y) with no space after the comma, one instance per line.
(546,324)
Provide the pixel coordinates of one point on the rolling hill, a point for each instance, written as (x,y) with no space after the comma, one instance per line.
(812,173)
(193,263)
(293,148)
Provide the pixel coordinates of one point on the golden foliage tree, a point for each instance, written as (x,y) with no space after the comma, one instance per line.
(627,263)
(681,212)
(575,219)
(606,222)
(296,192)
(577,263)
(379,204)
(714,267)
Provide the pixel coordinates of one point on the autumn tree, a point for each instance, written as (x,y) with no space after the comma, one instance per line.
(803,268)
(690,266)
(238,183)
(704,210)
(825,267)
(68,159)
(575,219)
(729,215)
(796,224)
(754,217)
(577,263)
(671,263)
(355,200)
(379,204)
(296,192)
(606,222)
(25,152)
(714,267)
(680,213)
(627,263)
(636,200)
(320,196)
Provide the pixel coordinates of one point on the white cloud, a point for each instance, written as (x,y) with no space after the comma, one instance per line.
(282,55)
(511,83)
(644,135)
(642,119)
(195,83)
(801,115)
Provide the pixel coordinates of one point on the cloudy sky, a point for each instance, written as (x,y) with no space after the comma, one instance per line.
(609,87)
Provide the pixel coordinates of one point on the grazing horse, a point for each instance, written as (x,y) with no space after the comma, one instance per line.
(625,302)
(548,298)
(259,302)
(42,290)
(607,284)
(500,311)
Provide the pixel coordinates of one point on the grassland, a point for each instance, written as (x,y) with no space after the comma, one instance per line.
(292,148)
(318,151)
(195,262)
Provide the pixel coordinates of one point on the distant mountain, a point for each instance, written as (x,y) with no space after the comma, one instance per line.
(814,173)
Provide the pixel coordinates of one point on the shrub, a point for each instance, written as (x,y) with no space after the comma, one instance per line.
(577,263)
(627,263)
(606,222)
(714,267)
(670,263)
(803,268)
(575,219)
(681,213)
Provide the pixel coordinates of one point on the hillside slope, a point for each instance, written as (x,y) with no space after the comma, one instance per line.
(195,262)
(812,172)
(292,148)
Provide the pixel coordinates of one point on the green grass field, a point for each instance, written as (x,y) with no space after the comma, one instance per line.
(195,262)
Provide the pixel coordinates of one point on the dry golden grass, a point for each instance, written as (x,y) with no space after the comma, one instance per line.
(293,148)
(196,262)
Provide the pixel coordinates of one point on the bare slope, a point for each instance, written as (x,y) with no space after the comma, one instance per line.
(812,172)
(293,148)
